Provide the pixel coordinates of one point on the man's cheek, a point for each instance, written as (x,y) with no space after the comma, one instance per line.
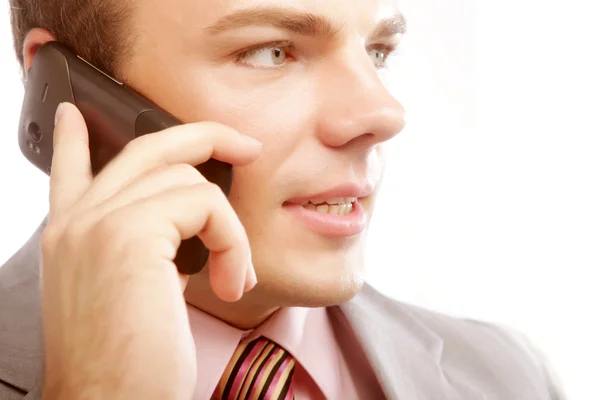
(376,162)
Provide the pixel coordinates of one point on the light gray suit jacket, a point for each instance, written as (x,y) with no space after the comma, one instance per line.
(416,354)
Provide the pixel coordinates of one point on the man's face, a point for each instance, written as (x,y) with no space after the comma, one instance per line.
(302,77)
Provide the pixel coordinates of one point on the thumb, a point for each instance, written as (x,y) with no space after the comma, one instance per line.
(71,172)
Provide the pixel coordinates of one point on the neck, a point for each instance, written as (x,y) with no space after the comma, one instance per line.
(247,313)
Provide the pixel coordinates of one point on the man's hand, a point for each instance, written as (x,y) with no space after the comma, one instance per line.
(115,321)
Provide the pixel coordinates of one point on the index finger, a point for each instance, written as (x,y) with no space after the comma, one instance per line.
(71,172)
(193,144)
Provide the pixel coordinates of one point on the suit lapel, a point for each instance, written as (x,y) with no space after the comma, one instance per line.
(405,354)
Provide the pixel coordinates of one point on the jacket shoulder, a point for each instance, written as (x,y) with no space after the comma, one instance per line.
(21,342)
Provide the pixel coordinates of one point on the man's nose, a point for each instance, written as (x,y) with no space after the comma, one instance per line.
(356,106)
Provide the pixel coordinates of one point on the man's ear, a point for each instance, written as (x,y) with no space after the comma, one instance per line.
(35,39)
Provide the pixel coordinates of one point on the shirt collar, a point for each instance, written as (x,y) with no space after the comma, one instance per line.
(306,333)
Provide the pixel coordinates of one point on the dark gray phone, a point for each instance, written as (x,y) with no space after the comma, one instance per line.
(114,113)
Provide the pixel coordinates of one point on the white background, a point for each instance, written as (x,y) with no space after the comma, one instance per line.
(491,204)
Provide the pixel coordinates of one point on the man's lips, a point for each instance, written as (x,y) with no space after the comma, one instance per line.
(339,221)
(336,212)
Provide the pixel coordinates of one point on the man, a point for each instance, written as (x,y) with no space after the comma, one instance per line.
(281,311)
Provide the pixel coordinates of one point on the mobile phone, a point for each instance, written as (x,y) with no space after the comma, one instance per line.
(114,113)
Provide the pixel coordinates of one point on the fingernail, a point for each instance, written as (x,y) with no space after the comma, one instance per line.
(251,280)
(59,112)
(253,141)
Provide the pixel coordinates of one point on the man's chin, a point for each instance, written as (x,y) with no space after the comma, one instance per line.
(316,291)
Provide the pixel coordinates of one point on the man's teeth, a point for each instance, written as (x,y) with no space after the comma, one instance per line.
(335,206)
(332,201)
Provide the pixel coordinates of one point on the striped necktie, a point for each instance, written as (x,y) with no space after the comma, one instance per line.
(259,370)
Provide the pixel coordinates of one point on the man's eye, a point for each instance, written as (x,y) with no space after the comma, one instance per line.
(379,56)
(265,57)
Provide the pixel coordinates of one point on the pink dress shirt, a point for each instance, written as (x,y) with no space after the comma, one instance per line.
(329,361)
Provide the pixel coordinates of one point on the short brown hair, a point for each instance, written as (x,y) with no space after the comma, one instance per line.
(95,29)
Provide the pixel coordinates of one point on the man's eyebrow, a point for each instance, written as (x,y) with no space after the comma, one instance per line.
(388,27)
(302,23)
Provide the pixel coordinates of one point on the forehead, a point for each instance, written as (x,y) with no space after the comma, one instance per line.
(361,15)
